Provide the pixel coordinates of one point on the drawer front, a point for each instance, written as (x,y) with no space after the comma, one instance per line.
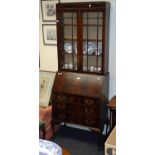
(59,102)
(59,116)
(90,121)
(75,109)
(90,110)
(59,98)
(90,106)
(73,104)
(72,107)
(85,120)
(59,106)
(89,101)
(72,99)
(73,117)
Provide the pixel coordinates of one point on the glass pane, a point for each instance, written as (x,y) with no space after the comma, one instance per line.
(70,46)
(69,41)
(70,32)
(70,54)
(91,48)
(91,32)
(69,15)
(92,21)
(92,63)
(92,41)
(99,48)
(70,21)
(70,61)
(92,14)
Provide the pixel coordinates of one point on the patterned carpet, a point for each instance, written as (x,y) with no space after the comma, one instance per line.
(78,142)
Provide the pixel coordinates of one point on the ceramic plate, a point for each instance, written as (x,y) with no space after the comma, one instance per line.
(75,47)
(91,48)
(68,47)
(100,48)
(49,148)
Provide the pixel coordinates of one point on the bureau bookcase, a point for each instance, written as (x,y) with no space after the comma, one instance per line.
(81,87)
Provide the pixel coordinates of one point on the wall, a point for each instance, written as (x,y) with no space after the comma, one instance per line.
(48,54)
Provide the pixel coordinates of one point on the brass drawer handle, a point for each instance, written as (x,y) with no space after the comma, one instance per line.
(89,101)
(61,106)
(61,98)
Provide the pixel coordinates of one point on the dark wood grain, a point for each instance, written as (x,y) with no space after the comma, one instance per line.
(79,84)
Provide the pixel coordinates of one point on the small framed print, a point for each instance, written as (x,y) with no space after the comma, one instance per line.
(46,80)
(49,34)
(48,9)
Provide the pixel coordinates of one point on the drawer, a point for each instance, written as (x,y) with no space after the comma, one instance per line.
(90,110)
(72,107)
(60,106)
(90,121)
(72,99)
(59,98)
(73,104)
(89,101)
(58,115)
(90,106)
(72,117)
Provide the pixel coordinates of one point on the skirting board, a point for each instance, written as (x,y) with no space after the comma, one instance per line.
(81,127)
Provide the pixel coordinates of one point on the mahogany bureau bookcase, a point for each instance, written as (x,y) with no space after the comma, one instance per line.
(81,86)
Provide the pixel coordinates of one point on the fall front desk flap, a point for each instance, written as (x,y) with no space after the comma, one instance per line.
(79,84)
(46,80)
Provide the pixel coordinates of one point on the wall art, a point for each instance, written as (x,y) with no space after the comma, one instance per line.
(48,9)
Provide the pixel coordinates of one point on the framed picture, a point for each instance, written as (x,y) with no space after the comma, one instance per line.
(46,80)
(48,9)
(49,34)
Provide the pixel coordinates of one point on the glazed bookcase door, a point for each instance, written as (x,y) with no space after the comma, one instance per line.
(67,25)
(82,32)
(92,41)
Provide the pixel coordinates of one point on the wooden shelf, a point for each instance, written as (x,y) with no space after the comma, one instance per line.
(92,18)
(69,24)
(92,25)
(69,18)
(82,18)
(83,54)
(84,39)
(69,53)
(83,25)
(95,40)
(70,39)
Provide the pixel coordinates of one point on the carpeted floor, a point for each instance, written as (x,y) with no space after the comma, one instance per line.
(78,142)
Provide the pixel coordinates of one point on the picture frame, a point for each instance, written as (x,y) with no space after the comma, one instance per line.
(48,9)
(49,34)
(46,80)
